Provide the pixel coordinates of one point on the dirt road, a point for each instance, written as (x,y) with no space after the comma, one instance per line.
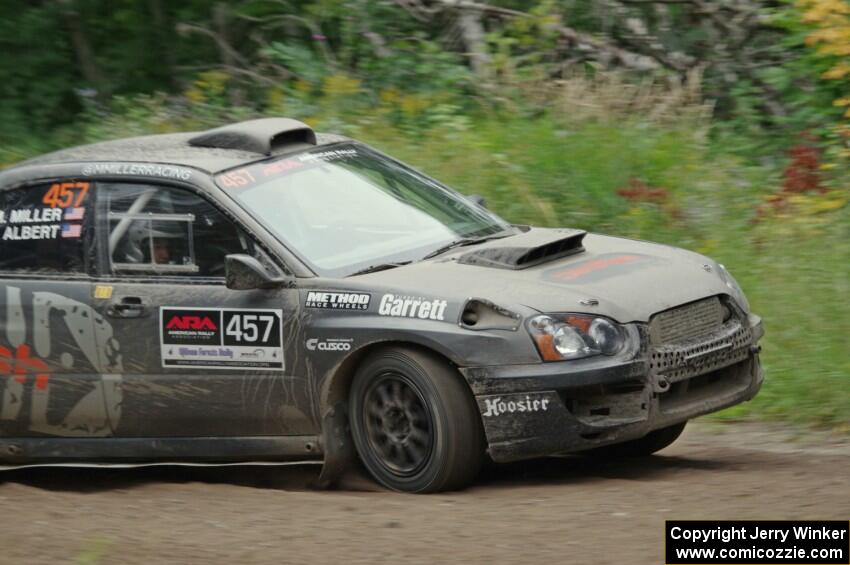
(568,510)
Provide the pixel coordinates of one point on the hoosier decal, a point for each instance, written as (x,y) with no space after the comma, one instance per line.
(226,338)
(516,403)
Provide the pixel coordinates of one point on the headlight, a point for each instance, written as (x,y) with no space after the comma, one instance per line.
(735,289)
(573,336)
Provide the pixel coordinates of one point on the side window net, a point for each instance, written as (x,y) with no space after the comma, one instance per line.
(168,231)
(152,242)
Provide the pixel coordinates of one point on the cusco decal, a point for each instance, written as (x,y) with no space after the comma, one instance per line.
(222,338)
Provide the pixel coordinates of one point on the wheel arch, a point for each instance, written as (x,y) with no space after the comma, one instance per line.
(337,384)
(338,445)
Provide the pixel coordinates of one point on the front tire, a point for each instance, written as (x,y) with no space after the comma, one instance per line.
(414,422)
(641,447)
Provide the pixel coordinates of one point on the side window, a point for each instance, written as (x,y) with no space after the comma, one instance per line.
(42,228)
(166,230)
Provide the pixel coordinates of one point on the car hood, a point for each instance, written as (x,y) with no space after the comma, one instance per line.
(629,280)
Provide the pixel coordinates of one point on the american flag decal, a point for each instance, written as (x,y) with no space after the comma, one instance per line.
(74,214)
(72,230)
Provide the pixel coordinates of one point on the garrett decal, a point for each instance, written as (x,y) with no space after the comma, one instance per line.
(412,307)
(338,300)
(225,338)
(330,344)
(498,406)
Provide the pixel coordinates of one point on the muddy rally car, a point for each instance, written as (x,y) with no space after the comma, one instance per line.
(261,293)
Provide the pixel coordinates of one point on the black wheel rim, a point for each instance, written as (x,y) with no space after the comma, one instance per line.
(398,424)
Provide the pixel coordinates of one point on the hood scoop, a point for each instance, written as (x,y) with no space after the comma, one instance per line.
(527,249)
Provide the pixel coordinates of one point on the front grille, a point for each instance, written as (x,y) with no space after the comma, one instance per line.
(684,360)
(694,340)
(686,322)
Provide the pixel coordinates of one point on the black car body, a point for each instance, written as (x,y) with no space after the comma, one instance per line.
(221,296)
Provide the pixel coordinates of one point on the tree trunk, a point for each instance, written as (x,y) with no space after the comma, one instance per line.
(86,61)
(162,36)
(221,22)
(472,31)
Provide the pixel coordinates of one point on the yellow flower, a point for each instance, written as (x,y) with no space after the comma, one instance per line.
(389,96)
(341,84)
(837,72)
(195,95)
(413,105)
(275,98)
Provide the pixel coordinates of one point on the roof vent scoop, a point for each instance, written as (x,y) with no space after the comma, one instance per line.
(265,136)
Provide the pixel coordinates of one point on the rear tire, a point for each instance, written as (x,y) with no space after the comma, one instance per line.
(647,445)
(415,423)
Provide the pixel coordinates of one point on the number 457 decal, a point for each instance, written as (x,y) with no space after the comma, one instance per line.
(66,194)
(241,328)
(222,338)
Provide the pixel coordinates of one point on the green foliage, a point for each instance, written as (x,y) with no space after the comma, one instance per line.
(802,101)
(146,46)
(37,86)
(303,62)
(696,162)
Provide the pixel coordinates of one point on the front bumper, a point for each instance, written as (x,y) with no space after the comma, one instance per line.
(551,408)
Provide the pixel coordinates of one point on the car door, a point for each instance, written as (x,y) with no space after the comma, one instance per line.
(197,359)
(53,375)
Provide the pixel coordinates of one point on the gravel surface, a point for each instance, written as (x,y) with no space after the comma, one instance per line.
(572,509)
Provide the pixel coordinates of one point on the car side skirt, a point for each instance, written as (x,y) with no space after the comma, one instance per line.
(28,451)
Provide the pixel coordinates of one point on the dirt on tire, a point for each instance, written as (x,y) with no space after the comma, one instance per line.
(571,509)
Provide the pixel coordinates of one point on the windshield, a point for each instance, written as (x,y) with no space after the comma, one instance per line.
(344,207)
